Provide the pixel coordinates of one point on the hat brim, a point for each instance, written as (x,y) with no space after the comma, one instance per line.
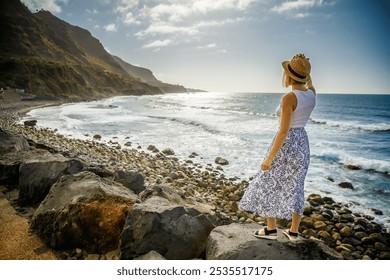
(285,67)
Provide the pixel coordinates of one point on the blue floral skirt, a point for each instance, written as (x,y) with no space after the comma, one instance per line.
(279,192)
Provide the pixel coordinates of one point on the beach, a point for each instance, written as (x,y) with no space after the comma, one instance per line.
(352,235)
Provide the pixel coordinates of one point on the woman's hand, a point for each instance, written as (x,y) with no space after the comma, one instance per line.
(266,164)
(309,84)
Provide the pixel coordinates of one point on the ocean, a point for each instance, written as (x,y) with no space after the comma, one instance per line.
(344,129)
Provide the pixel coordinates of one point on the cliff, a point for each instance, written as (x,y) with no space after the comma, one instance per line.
(47,56)
(146,76)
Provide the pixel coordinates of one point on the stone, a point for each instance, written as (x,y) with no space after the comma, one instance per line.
(327,214)
(307,210)
(306,222)
(310,232)
(353,167)
(368,240)
(12,143)
(384,256)
(377,212)
(360,234)
(83,211)
(347,255)
(336,236)
(97,137)
(132,180)
(347,217)
(328,200)
(329,178)
(153,149)
(30,123)
(317,217)
(37,175)
(94,257)
(346,231)
(366,257)
(380,246)
(13,150)
(221,161)
(346,185)
(352,241)
(112,255)
(320,225)
(10,164)
(316,198)
(235,242)
(377,237)
(324,235)
(356,255)
(173,230)
(168,151)
(100,171)
(152,255)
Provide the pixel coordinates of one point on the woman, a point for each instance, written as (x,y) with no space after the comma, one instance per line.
(277,189)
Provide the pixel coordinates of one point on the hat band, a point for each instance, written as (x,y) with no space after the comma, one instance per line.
(295,73)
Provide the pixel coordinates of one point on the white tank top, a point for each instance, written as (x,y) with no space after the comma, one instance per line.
(306,101)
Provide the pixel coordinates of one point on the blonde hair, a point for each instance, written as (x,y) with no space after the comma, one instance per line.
(288,80)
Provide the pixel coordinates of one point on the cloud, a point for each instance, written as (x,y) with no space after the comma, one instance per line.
(94,11)
(158,44)
(180,20)
(52,6)
(302,15)
(297,5)
(111,27)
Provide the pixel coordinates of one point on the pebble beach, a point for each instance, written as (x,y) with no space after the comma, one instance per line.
(353,235)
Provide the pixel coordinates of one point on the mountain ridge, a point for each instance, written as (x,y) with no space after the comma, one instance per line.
(47,56)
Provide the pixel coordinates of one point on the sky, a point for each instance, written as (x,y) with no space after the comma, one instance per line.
(239,45)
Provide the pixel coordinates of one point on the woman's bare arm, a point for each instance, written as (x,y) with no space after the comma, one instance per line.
(289,102)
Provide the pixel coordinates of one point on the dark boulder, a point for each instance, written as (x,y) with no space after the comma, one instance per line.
(38,174)
(346,185)
(133,180)
(174,231)
(235,242)
(83,211)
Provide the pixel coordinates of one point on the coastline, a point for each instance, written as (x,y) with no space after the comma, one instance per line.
(323,219)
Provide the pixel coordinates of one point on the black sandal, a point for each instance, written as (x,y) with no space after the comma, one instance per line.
(265,233)
(293,236)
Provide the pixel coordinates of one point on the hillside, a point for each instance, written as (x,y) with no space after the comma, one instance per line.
(146,76)
(47,56)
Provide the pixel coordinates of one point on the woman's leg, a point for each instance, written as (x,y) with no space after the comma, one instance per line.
(295,221)
(271,223)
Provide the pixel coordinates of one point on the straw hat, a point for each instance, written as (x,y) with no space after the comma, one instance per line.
(298,68)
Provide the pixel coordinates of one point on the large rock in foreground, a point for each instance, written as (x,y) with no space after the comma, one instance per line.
(12,143)
(235,242)
(83,211)
(12,147)
(173,230)
(37,175)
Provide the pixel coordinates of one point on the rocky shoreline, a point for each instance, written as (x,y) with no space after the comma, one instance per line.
(87,199)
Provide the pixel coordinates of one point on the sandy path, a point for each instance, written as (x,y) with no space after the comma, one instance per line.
(16,243)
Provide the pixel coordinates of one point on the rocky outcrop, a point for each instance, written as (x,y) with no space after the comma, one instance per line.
(37,175)
(173,230)
(235,242)
(83,211)
(12,143)
(12,147)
